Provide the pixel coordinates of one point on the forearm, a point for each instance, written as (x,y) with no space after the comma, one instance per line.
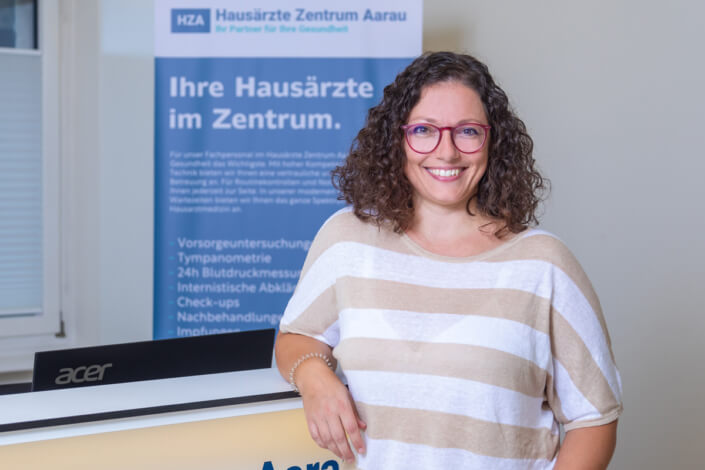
(330,412)
(291,347)
(589,448)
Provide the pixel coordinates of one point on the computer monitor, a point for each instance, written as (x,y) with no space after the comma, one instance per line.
(149,360)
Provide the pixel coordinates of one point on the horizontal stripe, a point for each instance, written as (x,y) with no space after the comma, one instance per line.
(441,430)
(479,364)
(385,454)
(344,226)
(488,321)
(363,261)
(511,304)
(515,305)
(448,395)
(487,332)
(533,276)
(317,318)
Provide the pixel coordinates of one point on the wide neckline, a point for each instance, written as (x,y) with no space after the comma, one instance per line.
(464,259)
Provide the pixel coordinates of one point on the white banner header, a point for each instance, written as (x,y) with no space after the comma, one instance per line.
(310,28)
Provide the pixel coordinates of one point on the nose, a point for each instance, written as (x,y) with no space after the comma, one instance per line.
(446,148)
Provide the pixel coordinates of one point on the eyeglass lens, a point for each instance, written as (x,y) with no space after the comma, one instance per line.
(424,138)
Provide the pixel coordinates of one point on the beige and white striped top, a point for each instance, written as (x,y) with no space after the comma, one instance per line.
(465,363)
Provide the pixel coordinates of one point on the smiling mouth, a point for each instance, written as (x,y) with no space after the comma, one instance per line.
(445,172)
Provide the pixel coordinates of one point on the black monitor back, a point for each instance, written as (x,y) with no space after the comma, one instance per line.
(149,360)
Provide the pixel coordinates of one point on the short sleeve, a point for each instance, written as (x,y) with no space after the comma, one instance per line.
(586,387)
(312,309)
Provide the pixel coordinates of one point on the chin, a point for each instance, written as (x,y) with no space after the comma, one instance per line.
(454,203)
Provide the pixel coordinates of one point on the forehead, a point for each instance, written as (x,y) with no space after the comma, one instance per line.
(449,102)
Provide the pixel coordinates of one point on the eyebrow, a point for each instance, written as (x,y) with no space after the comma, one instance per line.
(436,122)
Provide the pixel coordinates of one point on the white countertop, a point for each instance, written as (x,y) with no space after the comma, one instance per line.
(75,403)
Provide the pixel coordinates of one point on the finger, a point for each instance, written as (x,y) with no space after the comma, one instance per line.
(327,440)
(360,422)
(315,434)
(340,439)
(350,424)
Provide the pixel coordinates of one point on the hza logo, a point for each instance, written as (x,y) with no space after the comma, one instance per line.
(191,20)
(81,374)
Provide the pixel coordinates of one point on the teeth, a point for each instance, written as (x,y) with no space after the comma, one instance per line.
(440,172)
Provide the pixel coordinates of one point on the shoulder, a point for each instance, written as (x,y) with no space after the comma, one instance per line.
(548,254)
(341,222)
(540,245)
(343,225)
(343,228)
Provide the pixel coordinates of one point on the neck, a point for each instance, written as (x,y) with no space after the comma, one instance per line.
(443,221)
(453,232)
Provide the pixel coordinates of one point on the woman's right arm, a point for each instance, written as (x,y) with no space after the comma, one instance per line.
(329,408)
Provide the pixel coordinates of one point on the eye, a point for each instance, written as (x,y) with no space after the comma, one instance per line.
(422,130)
(468,131)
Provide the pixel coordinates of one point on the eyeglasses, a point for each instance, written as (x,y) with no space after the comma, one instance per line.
(425,138)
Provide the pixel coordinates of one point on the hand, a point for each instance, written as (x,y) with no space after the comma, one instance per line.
(330,410)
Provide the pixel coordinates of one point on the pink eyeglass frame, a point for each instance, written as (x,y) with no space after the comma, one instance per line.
(440,130)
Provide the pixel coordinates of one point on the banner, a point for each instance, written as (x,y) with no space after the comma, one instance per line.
(255,103)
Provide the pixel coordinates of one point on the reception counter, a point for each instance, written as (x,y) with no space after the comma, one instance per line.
(237,420)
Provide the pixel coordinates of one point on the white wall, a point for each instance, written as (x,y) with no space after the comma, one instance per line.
(127,172)
(612,94)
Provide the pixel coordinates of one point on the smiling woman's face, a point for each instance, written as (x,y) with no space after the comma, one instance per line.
(446,177)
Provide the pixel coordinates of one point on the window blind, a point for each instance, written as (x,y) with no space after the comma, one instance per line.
(20,183)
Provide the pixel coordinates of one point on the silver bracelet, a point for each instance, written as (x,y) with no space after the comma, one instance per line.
(301,360)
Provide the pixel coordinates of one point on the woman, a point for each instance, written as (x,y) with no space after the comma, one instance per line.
(466,338)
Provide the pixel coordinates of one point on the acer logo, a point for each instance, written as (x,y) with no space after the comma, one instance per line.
(81,374)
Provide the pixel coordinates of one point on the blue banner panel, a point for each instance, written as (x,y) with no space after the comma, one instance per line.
(244,149)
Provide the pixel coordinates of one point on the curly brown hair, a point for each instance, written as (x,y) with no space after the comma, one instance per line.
(372,177)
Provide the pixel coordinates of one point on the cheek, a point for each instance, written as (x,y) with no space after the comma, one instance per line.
(411,161)
(409,155)
(482,170)
(412,167)
(481,162)
(408,171)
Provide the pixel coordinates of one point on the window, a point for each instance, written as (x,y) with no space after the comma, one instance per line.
(29,168)
(18,24)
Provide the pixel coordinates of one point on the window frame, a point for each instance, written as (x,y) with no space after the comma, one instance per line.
(18,332)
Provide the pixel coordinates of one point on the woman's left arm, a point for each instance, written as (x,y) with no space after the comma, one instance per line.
(589,448)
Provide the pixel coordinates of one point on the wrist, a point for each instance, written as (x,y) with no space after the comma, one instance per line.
(312,365)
